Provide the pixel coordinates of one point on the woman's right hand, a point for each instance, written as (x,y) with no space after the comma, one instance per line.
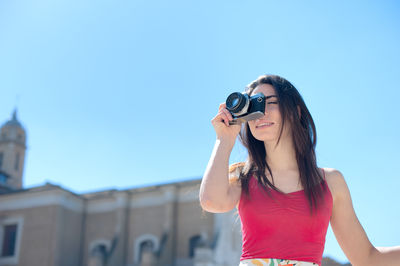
(220,122)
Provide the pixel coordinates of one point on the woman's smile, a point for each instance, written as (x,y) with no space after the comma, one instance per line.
(265,125)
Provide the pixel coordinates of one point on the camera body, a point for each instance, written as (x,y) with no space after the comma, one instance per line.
(244,107)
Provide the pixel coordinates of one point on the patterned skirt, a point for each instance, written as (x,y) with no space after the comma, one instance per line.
(275,262)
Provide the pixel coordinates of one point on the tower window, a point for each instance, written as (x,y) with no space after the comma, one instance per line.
(16,167)
(3,178)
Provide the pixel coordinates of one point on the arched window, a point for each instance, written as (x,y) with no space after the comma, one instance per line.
(194,242)
(98,256)
(145,247)
(146,251)
(98,252)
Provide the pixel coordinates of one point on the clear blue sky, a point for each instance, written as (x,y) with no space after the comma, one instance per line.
(120,94)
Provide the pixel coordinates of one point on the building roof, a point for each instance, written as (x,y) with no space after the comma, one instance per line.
(103,193)
(148,188)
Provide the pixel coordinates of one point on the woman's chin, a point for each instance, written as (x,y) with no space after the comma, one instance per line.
(266,139)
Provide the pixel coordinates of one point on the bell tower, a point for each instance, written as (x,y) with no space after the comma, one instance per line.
(12,153)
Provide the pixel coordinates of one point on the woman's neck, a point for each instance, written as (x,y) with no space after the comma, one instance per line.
(281,157)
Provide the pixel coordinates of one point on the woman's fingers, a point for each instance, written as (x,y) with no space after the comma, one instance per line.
(224,118)
(229,115)
(222,107)
(221,117)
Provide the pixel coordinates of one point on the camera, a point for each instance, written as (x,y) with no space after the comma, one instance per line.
(244,107)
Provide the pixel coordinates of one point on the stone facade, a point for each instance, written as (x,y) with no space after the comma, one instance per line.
(58,227)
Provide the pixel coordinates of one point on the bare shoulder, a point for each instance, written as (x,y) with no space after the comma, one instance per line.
(335,181)
(236,166)
(234,173)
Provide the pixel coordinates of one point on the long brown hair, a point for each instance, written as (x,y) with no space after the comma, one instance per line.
(304,139)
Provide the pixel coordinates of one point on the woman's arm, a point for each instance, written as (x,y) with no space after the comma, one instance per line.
(217,194)
(350,234)
(386,255)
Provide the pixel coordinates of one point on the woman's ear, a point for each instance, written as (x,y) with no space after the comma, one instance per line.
(299,111)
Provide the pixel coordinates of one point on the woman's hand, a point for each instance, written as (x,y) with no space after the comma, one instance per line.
(220,122)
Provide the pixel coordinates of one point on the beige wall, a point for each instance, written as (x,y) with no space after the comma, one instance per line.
(39,235)
(51,228)
(144,221)
(104,227)
(168,210)
(50,236)
(192,220)
(61,234)
(68,238)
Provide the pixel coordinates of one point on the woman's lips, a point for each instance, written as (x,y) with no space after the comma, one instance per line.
(264,125)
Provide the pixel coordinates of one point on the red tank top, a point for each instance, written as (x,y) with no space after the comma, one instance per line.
(282,228)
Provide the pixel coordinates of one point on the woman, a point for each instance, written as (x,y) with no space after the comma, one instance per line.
(285,202)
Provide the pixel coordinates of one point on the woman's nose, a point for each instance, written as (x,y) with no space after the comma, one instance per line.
(266,109)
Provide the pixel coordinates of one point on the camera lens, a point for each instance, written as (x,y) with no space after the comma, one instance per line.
(236,102)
